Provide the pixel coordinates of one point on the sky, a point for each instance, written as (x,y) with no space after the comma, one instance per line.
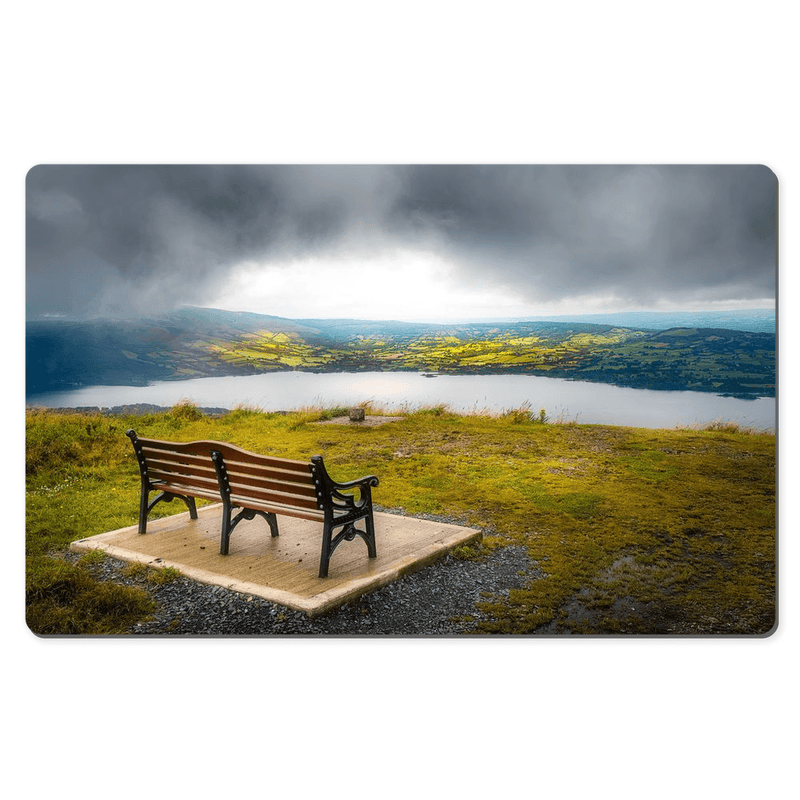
(405,242)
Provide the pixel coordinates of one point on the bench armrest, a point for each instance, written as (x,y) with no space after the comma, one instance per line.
(361,483)
(365,494)
(334,488)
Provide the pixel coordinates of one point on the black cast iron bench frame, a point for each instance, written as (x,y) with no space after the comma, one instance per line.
(257,485)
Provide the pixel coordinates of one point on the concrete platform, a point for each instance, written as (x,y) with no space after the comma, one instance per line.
(283,569)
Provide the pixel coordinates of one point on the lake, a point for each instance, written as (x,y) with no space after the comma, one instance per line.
(563,400)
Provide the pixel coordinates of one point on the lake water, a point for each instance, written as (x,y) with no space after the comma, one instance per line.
(563,400)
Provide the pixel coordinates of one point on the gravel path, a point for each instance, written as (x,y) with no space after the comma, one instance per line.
(438,600)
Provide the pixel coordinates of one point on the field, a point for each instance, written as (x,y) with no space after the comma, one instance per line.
(633,530)
(722,361)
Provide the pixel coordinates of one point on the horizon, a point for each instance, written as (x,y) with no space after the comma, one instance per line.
(462,321)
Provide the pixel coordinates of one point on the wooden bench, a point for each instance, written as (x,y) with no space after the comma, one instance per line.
(256,484)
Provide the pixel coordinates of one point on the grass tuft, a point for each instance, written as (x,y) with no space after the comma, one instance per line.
(163,575)
(525,414)
(63,598)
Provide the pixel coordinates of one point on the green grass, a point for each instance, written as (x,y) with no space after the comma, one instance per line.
(633,530)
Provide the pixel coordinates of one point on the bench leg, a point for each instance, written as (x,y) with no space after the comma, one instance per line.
(325,555)
(225,533)
(248,513)
(229,524)
(145,506)
(370,537)
(144,510)
(348,533)
(272,521)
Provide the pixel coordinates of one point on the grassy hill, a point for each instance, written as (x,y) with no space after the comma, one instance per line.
(193,343)
(678,524)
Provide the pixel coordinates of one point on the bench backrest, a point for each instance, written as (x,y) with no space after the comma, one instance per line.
(268,482)
(187,467)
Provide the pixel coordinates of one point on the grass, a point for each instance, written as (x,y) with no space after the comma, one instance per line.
(63,598)
(631,530)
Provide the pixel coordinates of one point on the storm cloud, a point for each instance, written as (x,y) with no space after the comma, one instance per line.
(112,240)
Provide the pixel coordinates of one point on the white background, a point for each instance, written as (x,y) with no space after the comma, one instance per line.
(434,82)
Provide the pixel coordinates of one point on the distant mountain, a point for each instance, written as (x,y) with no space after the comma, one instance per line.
(755,320)
(200,342)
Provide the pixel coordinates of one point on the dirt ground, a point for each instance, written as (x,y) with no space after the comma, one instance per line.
(369,421)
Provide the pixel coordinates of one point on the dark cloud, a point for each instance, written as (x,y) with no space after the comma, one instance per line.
(111,239)
(638,233)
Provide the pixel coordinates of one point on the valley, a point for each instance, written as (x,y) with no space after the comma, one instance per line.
(193,343)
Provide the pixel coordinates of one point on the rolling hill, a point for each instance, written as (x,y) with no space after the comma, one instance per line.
(199,342)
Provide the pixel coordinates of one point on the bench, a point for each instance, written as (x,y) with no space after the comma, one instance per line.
(257,485)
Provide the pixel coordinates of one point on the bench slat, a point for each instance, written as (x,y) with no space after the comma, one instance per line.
(176,487)
(270,473)
(277,508)
(272,484)
(231,453)
(250,493)
(196,449)
(173,476)
(201,470)
(237,456)
(170,457)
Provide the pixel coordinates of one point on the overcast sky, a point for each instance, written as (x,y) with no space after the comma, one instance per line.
(399,242)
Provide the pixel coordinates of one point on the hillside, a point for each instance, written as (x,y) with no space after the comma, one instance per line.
(193,343)
(626,530)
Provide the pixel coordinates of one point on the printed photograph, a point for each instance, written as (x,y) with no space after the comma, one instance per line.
(443,400)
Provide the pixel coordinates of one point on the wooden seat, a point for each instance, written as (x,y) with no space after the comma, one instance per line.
(256,484)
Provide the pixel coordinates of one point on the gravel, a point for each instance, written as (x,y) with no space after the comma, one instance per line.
(438,600)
